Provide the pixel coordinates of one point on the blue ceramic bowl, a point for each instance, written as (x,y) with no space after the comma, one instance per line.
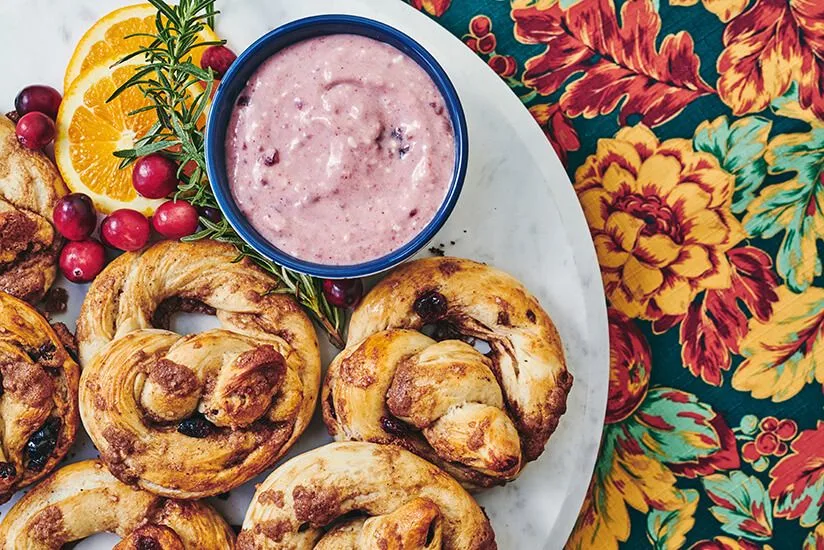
(233,84)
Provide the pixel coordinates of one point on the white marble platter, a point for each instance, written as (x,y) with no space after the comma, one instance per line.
(517,211)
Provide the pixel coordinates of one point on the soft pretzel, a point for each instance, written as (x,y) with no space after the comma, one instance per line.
(29,188)
(481,418)
(82,499)
(38,404)
(363,496)
(193,416)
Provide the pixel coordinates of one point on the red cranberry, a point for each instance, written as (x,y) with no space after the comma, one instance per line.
(344,292)
(217,58)
(155,176)
(41,99)
(125,229)
(175,219)
(35,130)
(75,217)
(81,261)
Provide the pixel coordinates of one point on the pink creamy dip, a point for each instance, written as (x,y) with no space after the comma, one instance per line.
(340,150)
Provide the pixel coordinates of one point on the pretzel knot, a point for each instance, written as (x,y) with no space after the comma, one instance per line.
(479,417)
(193,416)
(361,495)
(82,499)
(450,406)
(30,186)
(38,404)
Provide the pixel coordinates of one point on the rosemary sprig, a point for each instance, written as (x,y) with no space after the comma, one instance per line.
(180,93)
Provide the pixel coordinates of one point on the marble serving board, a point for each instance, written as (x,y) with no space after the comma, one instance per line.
(518,212)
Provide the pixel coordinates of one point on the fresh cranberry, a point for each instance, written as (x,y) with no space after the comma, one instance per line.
(81,261)
(217,58)
(766,443)
(769,424)
(35,130)
(481,25)
(75,217)
(487,44)
(343,292)
(212,214)
(41,99)
(125,229)
(749,452)
(155,176)
(175,219)
(786,429)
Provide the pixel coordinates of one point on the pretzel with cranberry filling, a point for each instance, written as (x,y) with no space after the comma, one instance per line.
(82,499)
(193,416)
(30,186)
(479,417)
(38,403)
(366,496)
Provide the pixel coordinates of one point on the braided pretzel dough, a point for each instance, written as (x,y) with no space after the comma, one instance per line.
(29,188)
(481,418)
(255,380)
(39,381)
(83,499)
(405,503)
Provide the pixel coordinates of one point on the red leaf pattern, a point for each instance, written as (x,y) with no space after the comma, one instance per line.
(714,327)
(620,63)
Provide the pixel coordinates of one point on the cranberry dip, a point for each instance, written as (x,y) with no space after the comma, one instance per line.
(339,150)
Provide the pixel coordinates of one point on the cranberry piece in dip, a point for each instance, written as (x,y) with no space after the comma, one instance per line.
(339,150)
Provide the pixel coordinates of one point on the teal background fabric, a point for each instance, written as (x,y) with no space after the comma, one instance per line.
(693,133)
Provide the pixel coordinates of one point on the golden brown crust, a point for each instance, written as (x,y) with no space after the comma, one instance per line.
(255,380)
(481,418)
(82,499)
(29,188)
(39,393)
(405,503)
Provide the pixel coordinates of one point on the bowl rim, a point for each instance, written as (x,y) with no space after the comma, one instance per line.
(224,102)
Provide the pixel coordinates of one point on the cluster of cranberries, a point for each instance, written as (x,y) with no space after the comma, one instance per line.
(37,107)
(154,177)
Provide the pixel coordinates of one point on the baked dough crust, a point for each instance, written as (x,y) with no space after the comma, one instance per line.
(480,418)
(403,501)
(29,188)
(256,379)
(39,381)
(82,499)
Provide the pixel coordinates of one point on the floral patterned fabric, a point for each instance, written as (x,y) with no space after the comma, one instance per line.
(693,131)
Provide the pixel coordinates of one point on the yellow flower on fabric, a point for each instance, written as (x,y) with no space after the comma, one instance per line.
(659,213)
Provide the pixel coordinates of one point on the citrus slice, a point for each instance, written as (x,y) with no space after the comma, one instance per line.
(106,39)
(89,131)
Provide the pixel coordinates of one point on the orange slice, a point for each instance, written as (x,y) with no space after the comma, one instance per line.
(89,131)
(106,40)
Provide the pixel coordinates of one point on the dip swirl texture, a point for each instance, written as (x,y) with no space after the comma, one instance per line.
(339,149)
